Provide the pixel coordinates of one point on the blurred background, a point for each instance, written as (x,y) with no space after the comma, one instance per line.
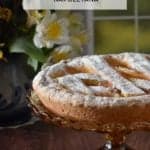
(119,31)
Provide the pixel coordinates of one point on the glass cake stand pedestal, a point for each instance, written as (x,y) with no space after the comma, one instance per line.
(115,141)
(115,133)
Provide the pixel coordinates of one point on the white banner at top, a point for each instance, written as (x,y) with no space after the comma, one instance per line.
(76,4)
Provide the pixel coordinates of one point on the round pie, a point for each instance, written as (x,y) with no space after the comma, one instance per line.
(97,92)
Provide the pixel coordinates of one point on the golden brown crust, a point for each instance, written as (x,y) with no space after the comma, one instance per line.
(119,119)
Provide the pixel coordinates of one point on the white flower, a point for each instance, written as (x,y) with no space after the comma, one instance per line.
(35,16)
(52,30)
(74,18)
(63,49)
(61,52)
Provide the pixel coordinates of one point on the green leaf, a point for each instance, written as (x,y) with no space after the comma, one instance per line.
(24,45)
(33,63)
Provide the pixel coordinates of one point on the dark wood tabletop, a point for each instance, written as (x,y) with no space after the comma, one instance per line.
(48,137)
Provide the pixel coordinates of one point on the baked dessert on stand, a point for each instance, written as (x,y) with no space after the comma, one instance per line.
(104,93)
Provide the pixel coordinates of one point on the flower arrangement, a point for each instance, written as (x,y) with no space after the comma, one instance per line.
(40,34)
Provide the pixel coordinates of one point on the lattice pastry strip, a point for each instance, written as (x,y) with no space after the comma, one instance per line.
(136,61)
(87,84)
(74,84)
(143,84)
(100,66)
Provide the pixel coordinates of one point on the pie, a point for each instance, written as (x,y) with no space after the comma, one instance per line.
(97,92)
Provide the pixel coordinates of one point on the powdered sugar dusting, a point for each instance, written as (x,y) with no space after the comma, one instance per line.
(89,76)
(100,90)
(74,84)
(101,66)
(144,84)
(137,61)
(55,83)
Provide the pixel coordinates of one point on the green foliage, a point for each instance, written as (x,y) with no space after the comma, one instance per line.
(25,45)
(33,62)
(18,30)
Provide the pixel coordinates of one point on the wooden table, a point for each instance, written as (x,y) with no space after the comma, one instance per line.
(45,137)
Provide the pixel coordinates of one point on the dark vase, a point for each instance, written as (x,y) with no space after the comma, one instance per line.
(15,81)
